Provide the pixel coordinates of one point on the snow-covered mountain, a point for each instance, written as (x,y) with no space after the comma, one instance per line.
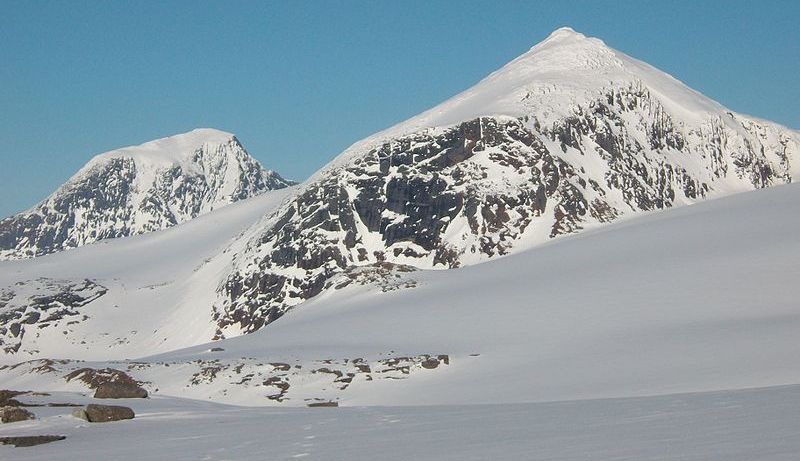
(569,136)
(139,189)
(557,331)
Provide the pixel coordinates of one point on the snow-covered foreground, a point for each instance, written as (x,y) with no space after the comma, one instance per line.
(732,425)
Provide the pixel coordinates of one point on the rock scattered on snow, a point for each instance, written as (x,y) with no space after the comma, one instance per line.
(120,391)
(30,440)
(13,414)
(323,404)
(105,413)
(109,383)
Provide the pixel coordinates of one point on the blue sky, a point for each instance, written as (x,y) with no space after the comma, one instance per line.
(300,81)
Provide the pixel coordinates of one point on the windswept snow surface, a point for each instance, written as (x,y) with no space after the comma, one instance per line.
(167,151)
(746,425)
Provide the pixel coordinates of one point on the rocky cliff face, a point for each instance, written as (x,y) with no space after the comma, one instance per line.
(569,136)
(137,190)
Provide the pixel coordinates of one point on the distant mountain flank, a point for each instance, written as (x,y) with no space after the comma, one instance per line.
(139,189)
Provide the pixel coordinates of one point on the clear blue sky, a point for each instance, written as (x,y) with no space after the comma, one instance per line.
(300,81)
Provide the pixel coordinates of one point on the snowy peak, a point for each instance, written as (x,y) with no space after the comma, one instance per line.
(178,143)
(566,70)
(570,64)
(139,189)
(564,41)
(173,149)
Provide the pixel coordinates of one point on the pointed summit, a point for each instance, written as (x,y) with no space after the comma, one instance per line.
(565,31)
(562,34)
(567,37)
(566,70)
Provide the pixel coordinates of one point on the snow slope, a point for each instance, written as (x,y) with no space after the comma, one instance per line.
(139,189)
(692,299)
(157,289)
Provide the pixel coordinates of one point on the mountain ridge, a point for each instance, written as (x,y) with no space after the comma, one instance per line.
(138,189)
